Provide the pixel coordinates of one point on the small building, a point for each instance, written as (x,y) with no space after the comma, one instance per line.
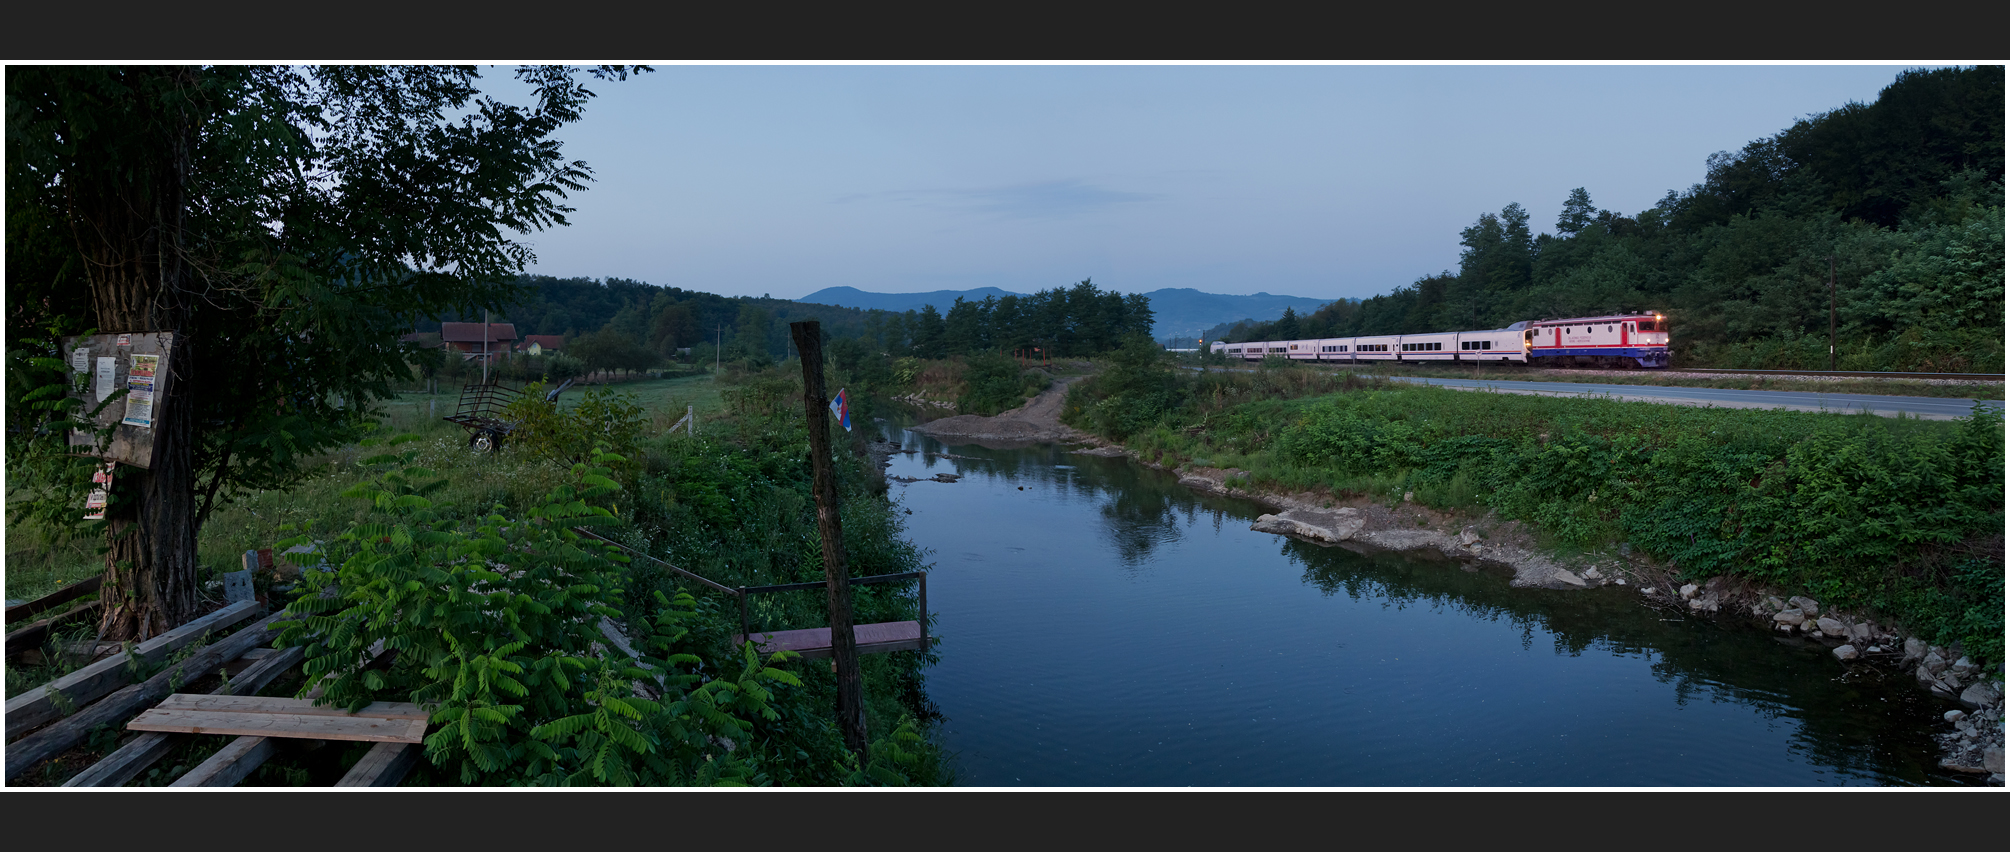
(472,339)
(538,344)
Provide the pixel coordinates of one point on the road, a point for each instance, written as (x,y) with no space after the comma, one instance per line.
(1924,407)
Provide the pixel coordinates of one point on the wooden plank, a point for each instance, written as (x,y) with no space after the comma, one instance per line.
(32,709)
(815,643)
(384,765)
(230,764)
(121,705)
(286,706)
(32,636)
(55,599)
(355,728)
(143,751)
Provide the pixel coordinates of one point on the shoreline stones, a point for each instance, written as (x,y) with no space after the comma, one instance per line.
(1326,526)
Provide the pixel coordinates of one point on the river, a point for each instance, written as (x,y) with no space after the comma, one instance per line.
(1104,627)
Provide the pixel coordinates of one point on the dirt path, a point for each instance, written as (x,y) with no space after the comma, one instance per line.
(1037,421)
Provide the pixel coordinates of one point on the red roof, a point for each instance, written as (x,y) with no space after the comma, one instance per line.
(471,332)
(544,341)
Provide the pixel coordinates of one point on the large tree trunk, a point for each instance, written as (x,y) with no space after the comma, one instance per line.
(130,231)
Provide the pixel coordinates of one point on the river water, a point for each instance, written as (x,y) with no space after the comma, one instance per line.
(1104,626)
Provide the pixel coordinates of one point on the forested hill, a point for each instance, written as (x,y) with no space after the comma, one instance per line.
(1905,193)
(663,319)
(641,321)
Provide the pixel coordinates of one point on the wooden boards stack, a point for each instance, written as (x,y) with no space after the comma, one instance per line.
(252,716)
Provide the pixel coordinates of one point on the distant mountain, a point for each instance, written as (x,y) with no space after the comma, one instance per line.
(1184,312)
(852,297)
(1176,312)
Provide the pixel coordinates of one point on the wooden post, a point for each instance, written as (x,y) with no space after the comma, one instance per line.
(808,335)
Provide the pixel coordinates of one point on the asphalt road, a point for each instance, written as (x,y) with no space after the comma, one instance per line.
(1925,407)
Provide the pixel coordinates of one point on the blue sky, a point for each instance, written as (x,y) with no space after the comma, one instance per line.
(1321,181)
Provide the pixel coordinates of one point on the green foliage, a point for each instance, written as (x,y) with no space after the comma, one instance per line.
(995,383)
(1904,195)
(1134,393)
(1858,510)
(498,627)
(602,419)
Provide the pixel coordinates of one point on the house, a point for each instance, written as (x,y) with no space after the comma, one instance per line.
(538,344)
(468,338)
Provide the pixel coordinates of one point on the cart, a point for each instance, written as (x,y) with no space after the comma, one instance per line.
(480,412)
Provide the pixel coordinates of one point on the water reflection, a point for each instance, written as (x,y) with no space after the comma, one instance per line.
(1105,626)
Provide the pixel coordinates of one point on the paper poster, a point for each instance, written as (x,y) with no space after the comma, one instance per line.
(105,377)
(94,505)
(140,391)
(125,340)
(80,360)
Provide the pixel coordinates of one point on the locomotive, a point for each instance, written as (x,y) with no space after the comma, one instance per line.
(1628,341)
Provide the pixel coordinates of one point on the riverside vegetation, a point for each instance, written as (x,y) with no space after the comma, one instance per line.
(467,567)
(1902,517)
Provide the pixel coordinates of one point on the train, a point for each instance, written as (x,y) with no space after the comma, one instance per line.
(1627,341)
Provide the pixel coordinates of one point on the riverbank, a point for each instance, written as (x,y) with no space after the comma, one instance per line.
(1478,537)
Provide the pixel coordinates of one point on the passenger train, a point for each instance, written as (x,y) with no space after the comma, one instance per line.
(1628,341)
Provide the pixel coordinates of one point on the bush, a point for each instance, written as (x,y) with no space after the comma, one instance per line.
(602,418)
(995,383)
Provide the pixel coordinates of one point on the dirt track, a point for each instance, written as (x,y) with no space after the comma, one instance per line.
(1038,421)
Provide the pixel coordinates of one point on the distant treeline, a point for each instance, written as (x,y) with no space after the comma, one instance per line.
(1906,194)
(638,319)
(619,323)
(1070,321)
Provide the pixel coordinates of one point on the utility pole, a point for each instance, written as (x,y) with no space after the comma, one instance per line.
(837,579)
(485,346)
(1832,313)
(718,340)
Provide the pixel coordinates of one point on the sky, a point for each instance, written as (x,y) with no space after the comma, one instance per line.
(1319,181)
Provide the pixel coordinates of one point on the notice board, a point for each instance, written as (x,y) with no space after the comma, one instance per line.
(128,371)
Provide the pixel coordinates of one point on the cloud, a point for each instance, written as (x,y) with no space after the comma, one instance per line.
(1055,199)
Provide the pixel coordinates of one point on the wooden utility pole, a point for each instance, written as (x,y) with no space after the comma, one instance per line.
(808,335)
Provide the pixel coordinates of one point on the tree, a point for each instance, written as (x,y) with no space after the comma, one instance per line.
(1578,213)
(287,224)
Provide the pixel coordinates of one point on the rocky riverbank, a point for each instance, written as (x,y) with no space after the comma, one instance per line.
(1972,737)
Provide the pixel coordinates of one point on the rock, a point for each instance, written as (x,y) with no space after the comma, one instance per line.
(1199,483)
(1832,627)
(1992,759)
(1950,683)
(1696,604)
(1953,716)
(1619,580)
(1775,603)
(1567,578)
(1318,525)
(1806,605)
(1934,662)
(1409,496)
(1688,591)
(1625,548)
(1915,650)
(1845,652)
(1593,574)
(1965,667)
(1860,632)
(1982,694)
(1967,729)
(1790,617)
(1468,536)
